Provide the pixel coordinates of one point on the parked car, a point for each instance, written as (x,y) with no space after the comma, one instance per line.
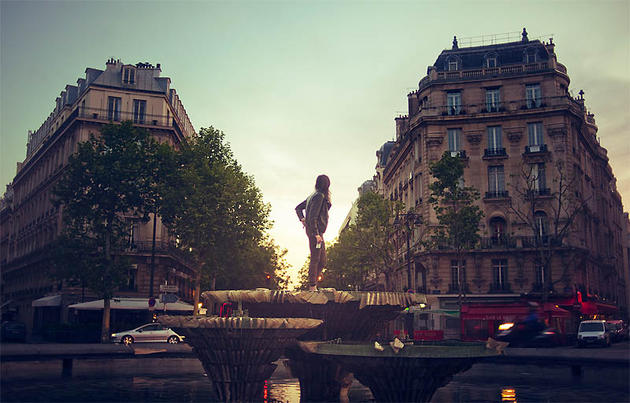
(594,332)
(619,330)
(149,333)
(13,331)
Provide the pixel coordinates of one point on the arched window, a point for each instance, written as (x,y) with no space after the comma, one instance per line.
(498,229)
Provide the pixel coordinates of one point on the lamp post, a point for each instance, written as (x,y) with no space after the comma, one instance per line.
(409,221)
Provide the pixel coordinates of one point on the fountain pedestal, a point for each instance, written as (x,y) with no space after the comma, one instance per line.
(238,352)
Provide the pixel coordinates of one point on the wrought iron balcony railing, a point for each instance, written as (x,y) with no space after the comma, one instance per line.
(494,152)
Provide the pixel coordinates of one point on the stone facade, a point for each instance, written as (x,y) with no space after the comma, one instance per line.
(29,221)
(531,149)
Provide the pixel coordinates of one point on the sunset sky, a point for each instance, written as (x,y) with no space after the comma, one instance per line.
(299,87)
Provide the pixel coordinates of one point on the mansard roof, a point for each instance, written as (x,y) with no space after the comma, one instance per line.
(506,54)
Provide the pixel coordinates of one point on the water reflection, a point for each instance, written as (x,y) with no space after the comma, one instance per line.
(482,383)
(508,395)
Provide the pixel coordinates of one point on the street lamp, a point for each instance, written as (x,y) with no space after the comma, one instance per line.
(409,221)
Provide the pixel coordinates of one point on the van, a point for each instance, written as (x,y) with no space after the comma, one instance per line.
(594,332)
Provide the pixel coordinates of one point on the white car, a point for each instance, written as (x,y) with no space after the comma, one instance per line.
(149,333)
(593,332)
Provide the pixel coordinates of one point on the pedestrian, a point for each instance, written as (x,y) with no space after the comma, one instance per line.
(315,223)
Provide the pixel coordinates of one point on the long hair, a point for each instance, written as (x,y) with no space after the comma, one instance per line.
(322,183)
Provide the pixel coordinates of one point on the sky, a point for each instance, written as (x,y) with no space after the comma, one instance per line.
(300,88)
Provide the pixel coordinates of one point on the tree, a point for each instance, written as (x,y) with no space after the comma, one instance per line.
(548,213)
(368,246)
(108,181)
(457,214)
(216,212)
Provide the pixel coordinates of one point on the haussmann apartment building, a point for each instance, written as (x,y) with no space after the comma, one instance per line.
(505,109)
(29,221)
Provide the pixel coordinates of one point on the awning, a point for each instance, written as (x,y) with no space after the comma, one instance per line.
(555,310)
(592,308)
(131,304)
(51,300)
(507,312)
(444,312)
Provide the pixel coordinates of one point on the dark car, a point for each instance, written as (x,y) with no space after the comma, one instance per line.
(618,330)
(14,331)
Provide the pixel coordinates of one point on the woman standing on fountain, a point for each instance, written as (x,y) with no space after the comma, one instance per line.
(315,222)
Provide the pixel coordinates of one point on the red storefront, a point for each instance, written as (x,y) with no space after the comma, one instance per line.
(480,321)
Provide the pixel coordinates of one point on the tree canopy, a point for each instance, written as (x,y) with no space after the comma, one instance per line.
(216,211)
(109,180)
(367,247)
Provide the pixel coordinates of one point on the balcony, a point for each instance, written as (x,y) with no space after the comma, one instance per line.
(536,149)
(539,241)
(500,288)
(460,154)
(454,289)
(497,194)
(499,242)
(486,72)
(492,153)
(119,116)
(452,110)
(542,192)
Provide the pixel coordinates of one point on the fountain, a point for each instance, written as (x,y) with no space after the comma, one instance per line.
(336,329)
(351,316)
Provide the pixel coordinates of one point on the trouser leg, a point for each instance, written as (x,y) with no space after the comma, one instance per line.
(318,260)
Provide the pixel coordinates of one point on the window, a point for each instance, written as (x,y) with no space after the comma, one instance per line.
(491,61)
(496,181)
(492,100)
(458,275)
(541,225)
(533,96)
(531,56)
(454,141)
(454,103)
(537,177)
(494,138)
(535,136)
(129,75)
(139,107)
(453,65)
(540,274)
(497,228)
(499,274)
(113,108)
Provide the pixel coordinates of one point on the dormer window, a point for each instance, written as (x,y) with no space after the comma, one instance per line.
(129,75)
(453,63)
(490,61)
(531,56)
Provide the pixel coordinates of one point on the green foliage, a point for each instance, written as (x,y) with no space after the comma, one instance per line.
(366,246)
(216,211)
(454,204)
(106,183)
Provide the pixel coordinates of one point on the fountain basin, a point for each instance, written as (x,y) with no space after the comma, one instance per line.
(411,375)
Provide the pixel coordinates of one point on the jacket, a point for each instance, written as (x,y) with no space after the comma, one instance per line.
(316,207)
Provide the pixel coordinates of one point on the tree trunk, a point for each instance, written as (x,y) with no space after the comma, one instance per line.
(197,292)
(105,335)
